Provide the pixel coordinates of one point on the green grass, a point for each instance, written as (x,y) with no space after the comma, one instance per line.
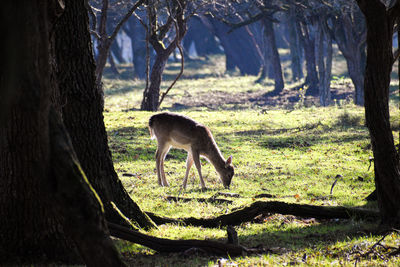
(292,152)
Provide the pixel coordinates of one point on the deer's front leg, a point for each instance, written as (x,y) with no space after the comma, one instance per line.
(196,159)
(189,163)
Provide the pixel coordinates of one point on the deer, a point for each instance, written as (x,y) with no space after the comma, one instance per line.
(182,132)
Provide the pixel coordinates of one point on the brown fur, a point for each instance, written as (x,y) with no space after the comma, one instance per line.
(174,130)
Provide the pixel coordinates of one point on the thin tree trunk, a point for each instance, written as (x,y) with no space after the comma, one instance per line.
(323,49)
(113,67)
(308,44)
(295,48)
(152,96)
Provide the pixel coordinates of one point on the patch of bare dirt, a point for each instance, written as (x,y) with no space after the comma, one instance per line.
(288,98)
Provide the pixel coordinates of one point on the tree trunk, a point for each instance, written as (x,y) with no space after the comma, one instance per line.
(28,231)
(323,49)
(117,52)
(152,95)
(354,67)
(380,23)
(199,35)
(83,114)
(295,48)
(274,56)
(113,67)
(350,42)
(137,34)
(239,46)
(308,43)
(41,218)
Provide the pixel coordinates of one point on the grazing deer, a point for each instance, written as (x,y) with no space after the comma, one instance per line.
(174,130)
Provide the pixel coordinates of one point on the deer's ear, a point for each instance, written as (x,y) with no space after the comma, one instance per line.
(229,161)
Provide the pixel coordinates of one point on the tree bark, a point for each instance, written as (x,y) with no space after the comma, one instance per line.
(273,55)
(380,23)
(308,42)
(295,47)
(83,114)
(351,42)
(164,245)
(323,49)
(41,219)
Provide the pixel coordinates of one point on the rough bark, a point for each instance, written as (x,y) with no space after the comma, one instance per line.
(380,23)
(248,213)
(83,114)
(79,205)
(28,232)
(37,213)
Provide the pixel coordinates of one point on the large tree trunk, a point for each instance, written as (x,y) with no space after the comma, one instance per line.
(83,114)
(273,55)
(380,23)
(47,211)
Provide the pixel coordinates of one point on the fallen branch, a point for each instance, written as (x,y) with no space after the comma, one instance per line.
(211,199)
(247,214)
(164,245)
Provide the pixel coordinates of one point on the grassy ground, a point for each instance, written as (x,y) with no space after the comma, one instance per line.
(293,151)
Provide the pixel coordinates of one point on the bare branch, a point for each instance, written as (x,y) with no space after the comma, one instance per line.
(125,18)
(92,15)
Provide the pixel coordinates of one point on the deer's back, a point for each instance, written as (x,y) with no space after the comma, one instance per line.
(181,131)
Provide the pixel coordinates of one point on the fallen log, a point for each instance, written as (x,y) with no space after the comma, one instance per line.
(164,245)
(247,214)
(210,200)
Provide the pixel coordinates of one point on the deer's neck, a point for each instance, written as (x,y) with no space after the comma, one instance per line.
(215,156)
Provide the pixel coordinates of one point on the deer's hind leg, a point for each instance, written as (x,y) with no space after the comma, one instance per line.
(162,150)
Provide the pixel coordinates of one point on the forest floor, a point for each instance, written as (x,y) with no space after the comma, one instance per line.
(286,146)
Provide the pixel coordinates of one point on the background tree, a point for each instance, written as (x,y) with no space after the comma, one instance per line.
(104,40)
(163,19)
(350,35)
(380,20)
(243,13)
